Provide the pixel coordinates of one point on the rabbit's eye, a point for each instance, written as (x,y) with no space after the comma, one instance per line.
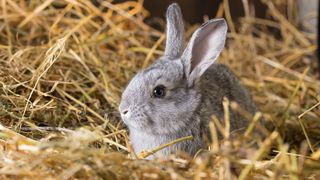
(159,91)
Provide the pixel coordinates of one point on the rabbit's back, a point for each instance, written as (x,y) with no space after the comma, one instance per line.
(218,82)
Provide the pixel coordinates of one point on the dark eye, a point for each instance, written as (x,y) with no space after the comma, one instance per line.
(159,91)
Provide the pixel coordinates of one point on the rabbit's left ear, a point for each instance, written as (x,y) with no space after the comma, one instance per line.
(175,32)
(204,48)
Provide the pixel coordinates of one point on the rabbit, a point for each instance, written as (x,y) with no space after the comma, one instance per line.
(177,95)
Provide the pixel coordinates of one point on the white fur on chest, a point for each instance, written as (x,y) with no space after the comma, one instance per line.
(144,142)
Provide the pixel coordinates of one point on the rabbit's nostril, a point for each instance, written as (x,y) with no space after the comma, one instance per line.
(125,112)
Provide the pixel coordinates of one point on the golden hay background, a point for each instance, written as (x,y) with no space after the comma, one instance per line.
(64,64)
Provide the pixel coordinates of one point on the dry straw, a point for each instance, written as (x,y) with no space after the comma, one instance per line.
(63,65)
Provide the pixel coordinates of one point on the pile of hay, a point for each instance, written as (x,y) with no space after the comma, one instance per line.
(64,64)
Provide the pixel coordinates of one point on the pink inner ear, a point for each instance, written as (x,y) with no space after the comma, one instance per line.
(197,59)
(204,47)
(200,52)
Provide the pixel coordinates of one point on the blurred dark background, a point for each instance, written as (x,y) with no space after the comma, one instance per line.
(194,10)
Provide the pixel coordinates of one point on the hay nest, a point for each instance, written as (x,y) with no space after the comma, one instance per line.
(63,65)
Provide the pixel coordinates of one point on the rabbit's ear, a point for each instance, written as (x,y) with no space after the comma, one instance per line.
(204,48)
(175,32)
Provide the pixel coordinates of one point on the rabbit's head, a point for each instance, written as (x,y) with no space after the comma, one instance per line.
(162,98)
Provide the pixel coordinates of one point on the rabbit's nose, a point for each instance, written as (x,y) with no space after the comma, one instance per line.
(125,112)
(124,109)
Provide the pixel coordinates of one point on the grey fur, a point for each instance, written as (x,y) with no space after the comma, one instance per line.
(175,32)
(195,88)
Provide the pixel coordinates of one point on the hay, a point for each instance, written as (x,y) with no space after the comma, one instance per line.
(64,64)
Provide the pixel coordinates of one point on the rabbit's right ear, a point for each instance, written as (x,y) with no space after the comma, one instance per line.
(175,32)
(204,48)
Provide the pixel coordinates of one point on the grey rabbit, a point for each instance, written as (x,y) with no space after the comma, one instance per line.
(177,95)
